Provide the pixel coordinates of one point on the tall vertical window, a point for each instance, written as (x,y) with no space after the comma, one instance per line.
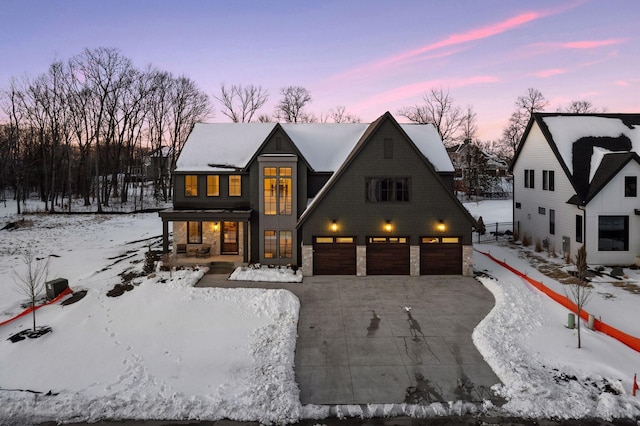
(613,233)
(285,244)
(552,221)
(235,185)
(284,188)
(529,178)
(191,185)
(278,190)
(270,244)
(578,228)
(548,180)
(630,186)
(194,232)
(213,186)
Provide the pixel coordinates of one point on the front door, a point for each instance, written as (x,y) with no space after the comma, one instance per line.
(229,237)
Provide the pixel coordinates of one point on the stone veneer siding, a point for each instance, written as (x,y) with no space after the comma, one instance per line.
(361,261)
(307,260)
(414,261)
(467,261)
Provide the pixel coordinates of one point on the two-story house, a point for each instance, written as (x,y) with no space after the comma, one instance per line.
(576,182)
(348,198)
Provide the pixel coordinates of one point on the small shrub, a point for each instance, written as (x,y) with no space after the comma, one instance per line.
(538,246)
(567,258)
(516,235)
(526,240)
(552,250)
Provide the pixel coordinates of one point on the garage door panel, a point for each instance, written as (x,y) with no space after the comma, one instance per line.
(384,258)
(334,258)
(441,259)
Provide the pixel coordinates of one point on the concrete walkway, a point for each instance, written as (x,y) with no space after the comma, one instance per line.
(387,339)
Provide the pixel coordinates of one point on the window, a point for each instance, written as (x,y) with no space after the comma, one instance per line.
(213,186)
(388,148)
(552,221)
(613,233)
(235,186)
(270,244)
(285,244)
(542,210)
(529,178)
(194,232)
(518,205)
(387,189)
(548,180)
(191,185)
(578,228)
(630,186)
(278,190)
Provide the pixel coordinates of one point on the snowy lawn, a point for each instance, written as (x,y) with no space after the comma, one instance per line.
(166,350)
(263,273)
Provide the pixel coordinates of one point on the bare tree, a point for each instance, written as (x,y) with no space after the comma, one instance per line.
(340,115)
(580,292)
(265,118)
(580,107)
(526,105)
(291,108)
(31,282)
(438,108)
(241,103)
(469,125)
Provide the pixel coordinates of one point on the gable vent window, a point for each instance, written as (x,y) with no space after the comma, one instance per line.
(388,148)
(542,210)
(529,178)
(387,189)
(548,180)
(518,205)
(630,186)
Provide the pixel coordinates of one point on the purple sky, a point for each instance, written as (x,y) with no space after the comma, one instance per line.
(369,56)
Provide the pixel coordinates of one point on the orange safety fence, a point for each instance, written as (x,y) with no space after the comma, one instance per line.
(631,341)
(35,308)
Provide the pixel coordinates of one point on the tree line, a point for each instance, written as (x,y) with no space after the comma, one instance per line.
(92,126)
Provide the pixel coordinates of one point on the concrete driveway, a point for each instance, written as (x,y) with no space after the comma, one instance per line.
(387,339)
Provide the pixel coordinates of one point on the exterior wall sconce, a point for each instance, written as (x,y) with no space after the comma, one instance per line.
(334,226)
(387,226)
(216,226)
(441,226)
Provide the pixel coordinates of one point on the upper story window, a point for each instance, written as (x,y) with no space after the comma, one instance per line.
(213,186)
(388,189)
(529,178)
(630,186)
(191,185)
(278,190)
(548,180)
(235,185)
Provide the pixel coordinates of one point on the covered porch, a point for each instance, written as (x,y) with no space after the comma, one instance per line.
(201,236)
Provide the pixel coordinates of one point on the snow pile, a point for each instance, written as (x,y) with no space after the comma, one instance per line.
(266,274)
(544,374)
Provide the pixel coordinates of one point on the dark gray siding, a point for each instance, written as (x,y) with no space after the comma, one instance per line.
(430,200)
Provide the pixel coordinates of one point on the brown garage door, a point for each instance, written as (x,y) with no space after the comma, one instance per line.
(334,256)
(440,256)
(388,256)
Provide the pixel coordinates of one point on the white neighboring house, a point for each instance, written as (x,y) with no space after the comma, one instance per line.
(576,182)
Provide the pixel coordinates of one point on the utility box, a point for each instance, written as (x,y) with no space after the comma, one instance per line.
(55,287)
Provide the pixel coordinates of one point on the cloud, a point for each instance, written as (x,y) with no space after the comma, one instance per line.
(591,44)
(550,72)
(622,83)
(414,89)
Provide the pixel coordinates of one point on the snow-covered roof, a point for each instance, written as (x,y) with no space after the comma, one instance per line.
(567,129)
(325,146)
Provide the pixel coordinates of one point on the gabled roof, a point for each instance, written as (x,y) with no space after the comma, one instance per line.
(324,146)
(582,142)
(371,130)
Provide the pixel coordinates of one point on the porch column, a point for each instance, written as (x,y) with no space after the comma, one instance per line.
(165,236)
(245,241)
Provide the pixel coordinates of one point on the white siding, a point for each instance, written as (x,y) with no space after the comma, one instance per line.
(537,155)
(611,201)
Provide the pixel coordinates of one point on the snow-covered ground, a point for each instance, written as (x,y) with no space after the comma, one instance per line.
(166,350)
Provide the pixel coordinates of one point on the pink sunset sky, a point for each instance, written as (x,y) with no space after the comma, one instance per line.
(369,56)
